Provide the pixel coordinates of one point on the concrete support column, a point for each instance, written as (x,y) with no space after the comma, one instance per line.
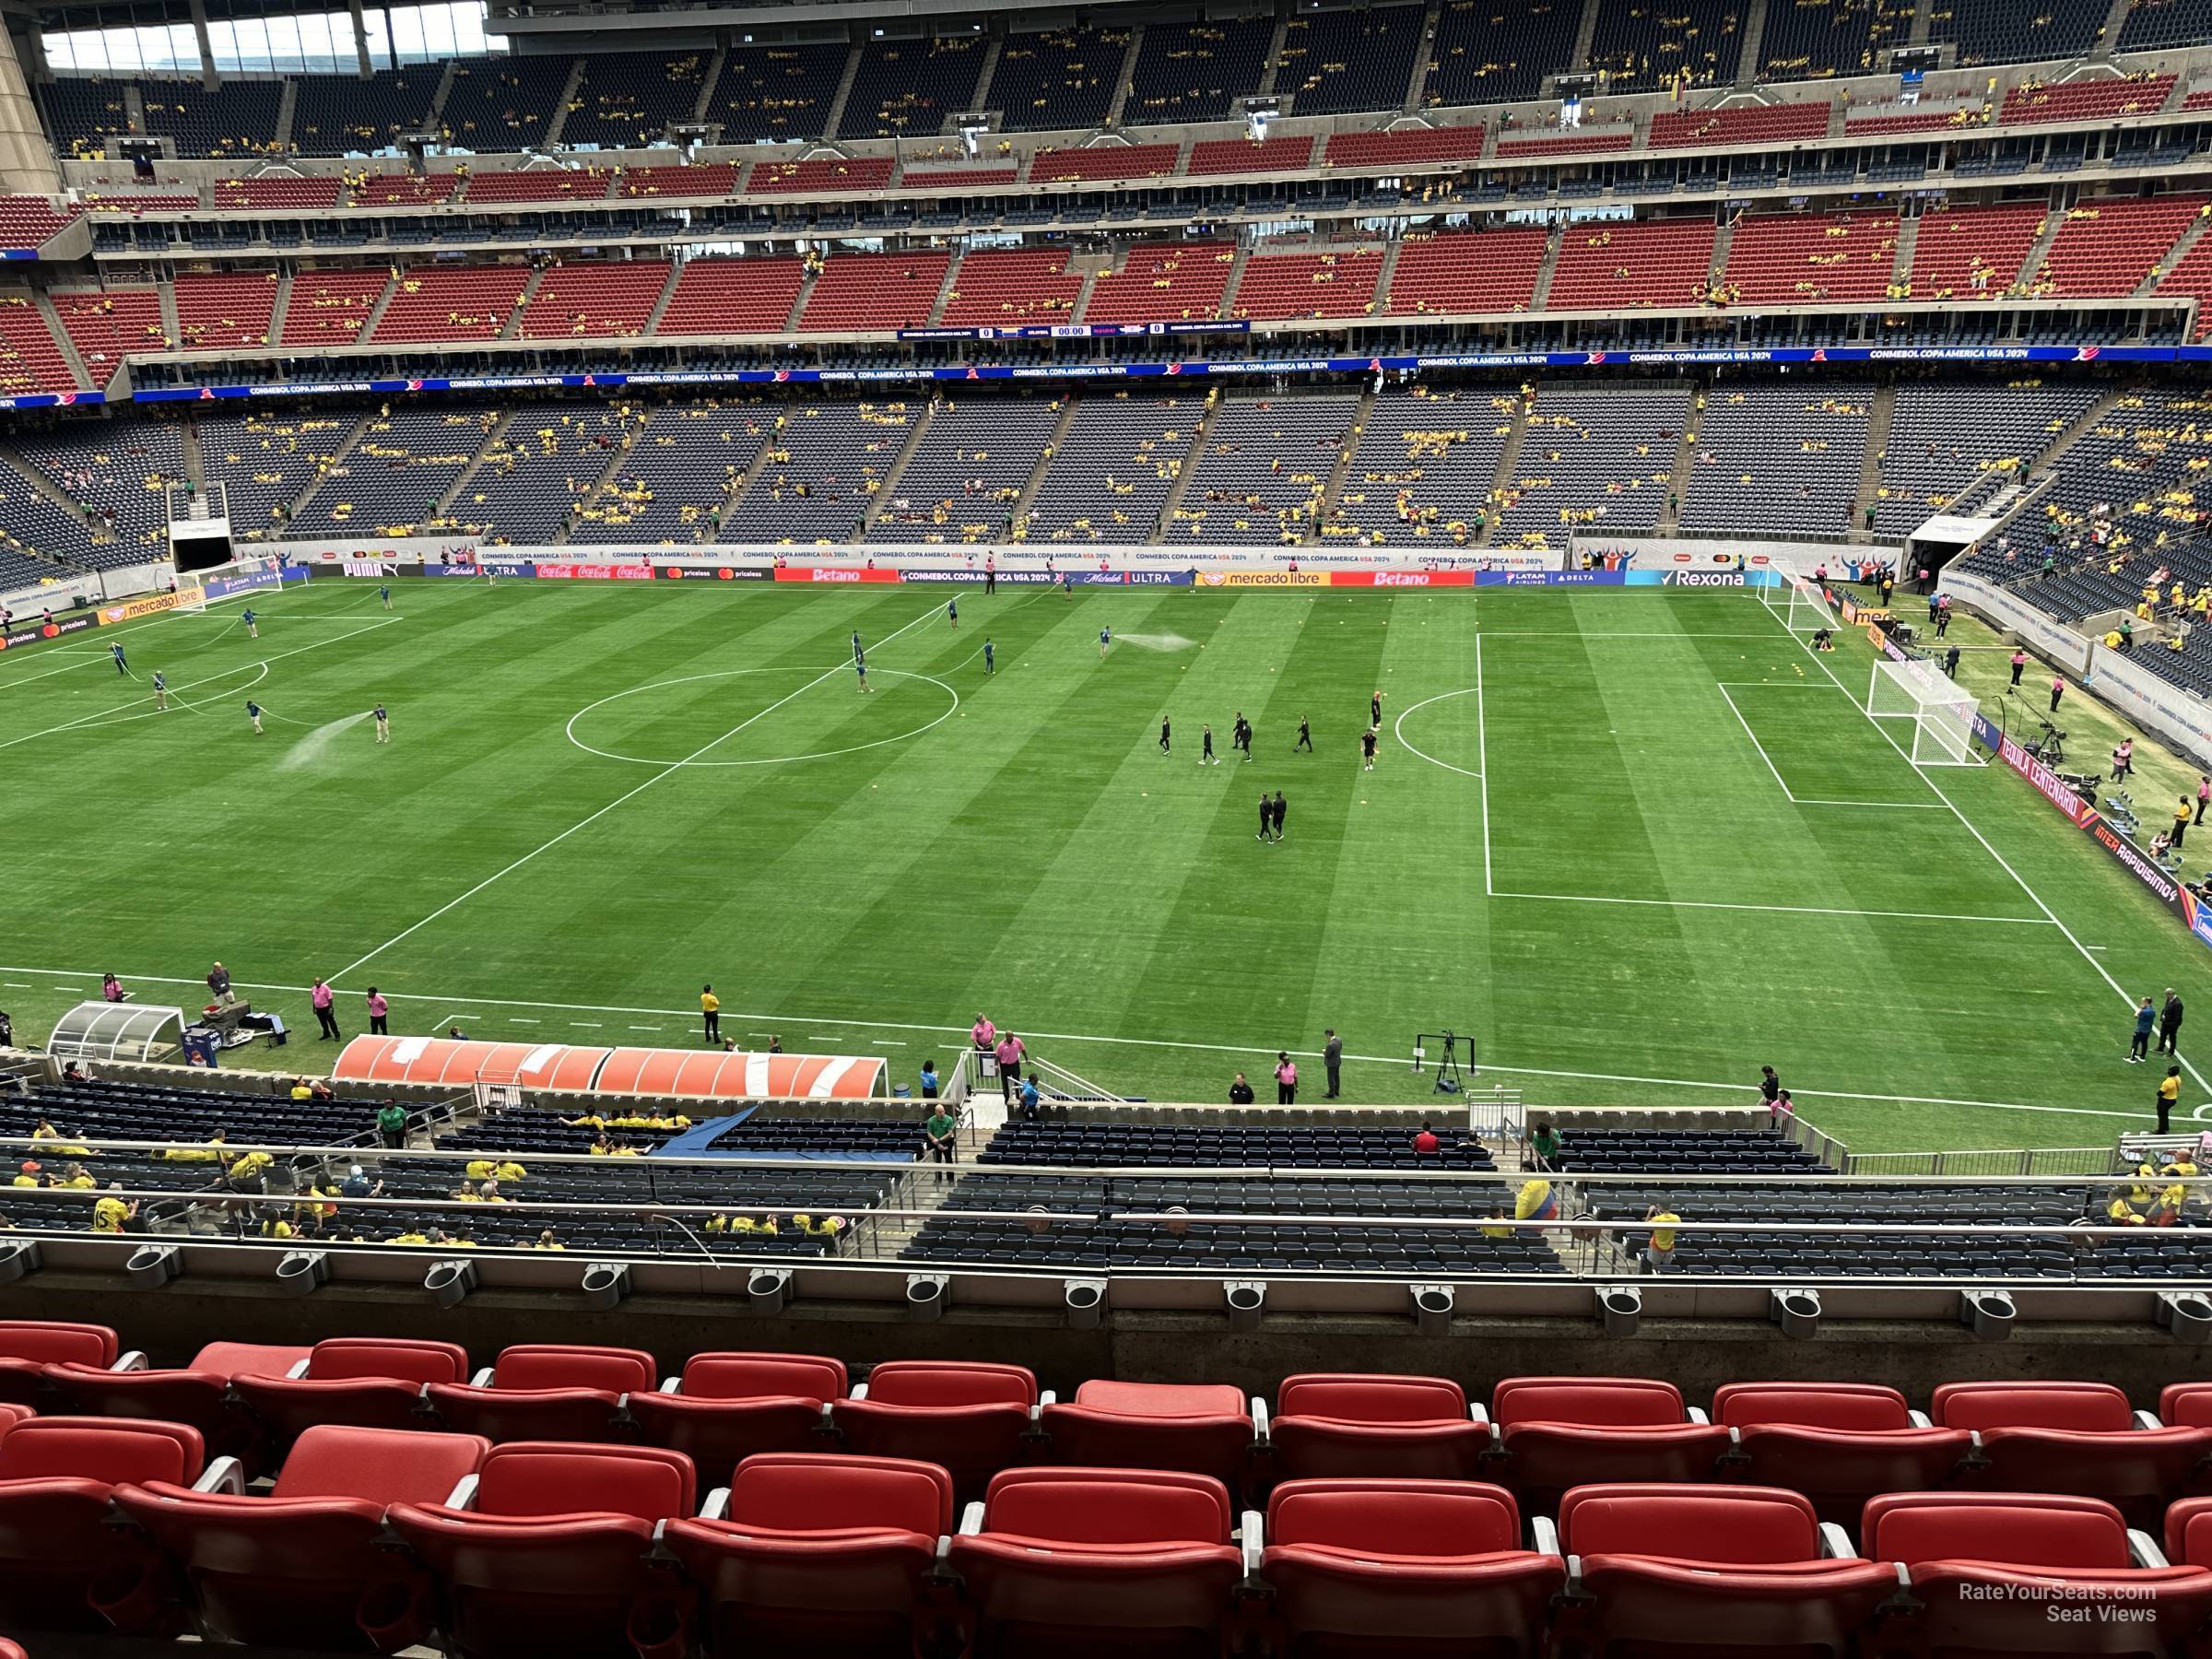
(27,163)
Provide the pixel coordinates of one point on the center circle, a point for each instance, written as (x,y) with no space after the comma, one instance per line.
(813,676)
(1398,729)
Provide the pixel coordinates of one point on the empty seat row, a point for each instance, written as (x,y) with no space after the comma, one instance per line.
(386,1539)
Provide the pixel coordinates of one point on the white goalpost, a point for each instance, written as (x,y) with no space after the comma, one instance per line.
(1941,711)
(1799,606)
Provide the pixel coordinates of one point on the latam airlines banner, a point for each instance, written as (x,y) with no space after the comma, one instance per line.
(1393,363)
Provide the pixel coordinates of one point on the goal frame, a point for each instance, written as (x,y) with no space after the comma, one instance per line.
(1941,711)
(1799,605)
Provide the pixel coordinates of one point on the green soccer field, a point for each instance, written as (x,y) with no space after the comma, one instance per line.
(1635,843)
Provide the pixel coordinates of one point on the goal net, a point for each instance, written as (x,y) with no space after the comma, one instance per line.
(1941,712)
(1800,605)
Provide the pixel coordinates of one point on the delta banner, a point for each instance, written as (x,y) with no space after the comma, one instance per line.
(150,606)
(254,581)
(2085,817)
(29,633)
(1393,363)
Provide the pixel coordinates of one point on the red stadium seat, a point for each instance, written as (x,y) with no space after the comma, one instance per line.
(363,1382)
(817,1552)
(29,1344)
(1988,1569)
(2186,1405)
(2189,1533)
(59,1555)
(1712,1570)
(1201,1430)
(969,1419)
(1366,1567)
(555,1558)
(1839,1443)
(1078,1562)
(545,1391)
(2077,1438)
(1338,1425)
(729,1407)
(309,1565)
(198,1394)
(1559,1432)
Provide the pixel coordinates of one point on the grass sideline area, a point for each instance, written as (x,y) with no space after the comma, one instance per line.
(1637,843)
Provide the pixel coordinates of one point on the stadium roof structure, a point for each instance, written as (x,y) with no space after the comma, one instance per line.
(712,1075)
(106,1030)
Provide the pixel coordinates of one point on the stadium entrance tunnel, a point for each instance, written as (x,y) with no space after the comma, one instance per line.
(737,717)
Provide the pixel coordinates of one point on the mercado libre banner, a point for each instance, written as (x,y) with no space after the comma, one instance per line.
(1391,363)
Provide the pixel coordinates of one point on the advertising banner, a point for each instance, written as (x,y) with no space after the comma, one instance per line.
(254,581)
(22,633)
(1551,579)
(832,573)
(1266,579)
(589,572)
(712,573)
(2090,822)
(150,606)
(1401,578)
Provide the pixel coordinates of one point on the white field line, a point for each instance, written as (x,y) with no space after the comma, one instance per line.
(1778,910)
(100,715)
(1799,800)
(1482,762)
(620,800)
(1756,744)
(1971,829)
(1745,1091)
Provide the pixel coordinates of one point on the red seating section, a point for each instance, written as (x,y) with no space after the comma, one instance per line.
(223,311)
(818,1553)
(1405,147)
(330,308)
(309,1566)
(452,302)
(1277,286)
(716,179)
(1478,271)
(539,184)
(555,1554)
(30,360)
(1751,124)
(404,190)
(1811,258)
(1377,1538)
(545,1390)
(969,1418)
(1163,282)
(1012,285)
(1094,1560)
(585,301)
(31,221)
(1917,120)
(28,1346)
(733,296)
(197,1395)
(1104,162)
(952,179)
(873,291)
(2111,247)
(2086,99)
(2201,99)
(1587,143)
(2191,278)
(58,1475)
(827,175)
(1278,155)
(1655,263)
(277,193)
(107,325)
(1972,253)
(729,1407)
